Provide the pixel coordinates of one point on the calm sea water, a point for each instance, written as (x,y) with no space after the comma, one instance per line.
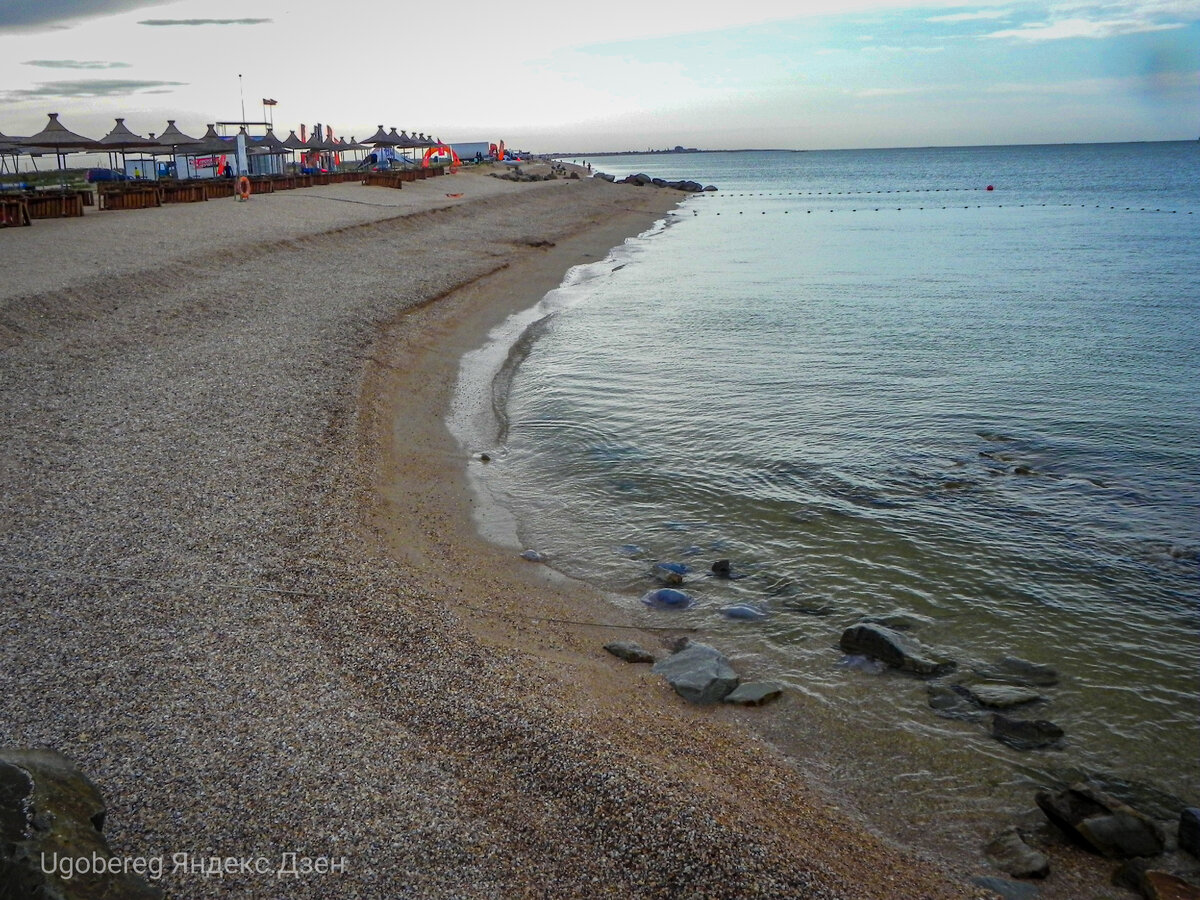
(876,386)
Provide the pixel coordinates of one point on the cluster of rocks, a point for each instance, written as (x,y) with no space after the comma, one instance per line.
(51,839)
(517,175)
(1156,848)
(699,674)
(642,180)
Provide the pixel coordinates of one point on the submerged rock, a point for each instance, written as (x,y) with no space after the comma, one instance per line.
(1008,852)
(952,701)
(1009,890)
(755,693)
(699,673)
(1189,830)
(1025,734)
(892,648)
(1002,696)
(1013,670)
(1102,823)
(630,651)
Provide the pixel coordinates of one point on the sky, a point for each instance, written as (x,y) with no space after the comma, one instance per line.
(616,75)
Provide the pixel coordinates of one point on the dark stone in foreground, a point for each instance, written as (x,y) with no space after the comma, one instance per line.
(1165,886)
(1189,830)
(1008,852)
(892,648)
(629,651)
(699,673)
(755,693)
(50,818)
(1101,823)
(1025,734)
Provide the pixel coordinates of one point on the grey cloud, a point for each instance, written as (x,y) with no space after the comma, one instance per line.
(49,15)
(100,87)
(75,64)
(203,21)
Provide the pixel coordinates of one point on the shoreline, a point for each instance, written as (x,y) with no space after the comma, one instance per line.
(244,586)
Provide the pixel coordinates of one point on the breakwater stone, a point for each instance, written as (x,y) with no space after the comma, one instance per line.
(51,816)
(1102,823)
(699,673)
(630,651)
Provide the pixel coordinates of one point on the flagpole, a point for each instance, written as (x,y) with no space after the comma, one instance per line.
(242,94)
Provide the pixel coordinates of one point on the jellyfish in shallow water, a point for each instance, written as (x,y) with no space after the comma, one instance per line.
(676,568)
(668,598)
(865,664)
(748,612)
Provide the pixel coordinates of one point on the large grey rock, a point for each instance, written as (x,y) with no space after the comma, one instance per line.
(1008,852)
(50,821)
(952,701)
(1025,734)
(1102,823)
(754,693)
(699,673)
(891,648)
(629,651)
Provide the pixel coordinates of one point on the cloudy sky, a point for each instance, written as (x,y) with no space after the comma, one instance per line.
(618,74)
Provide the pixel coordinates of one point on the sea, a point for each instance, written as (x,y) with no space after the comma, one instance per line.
(958,388)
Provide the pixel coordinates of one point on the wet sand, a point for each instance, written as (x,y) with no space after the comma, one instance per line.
(244,591)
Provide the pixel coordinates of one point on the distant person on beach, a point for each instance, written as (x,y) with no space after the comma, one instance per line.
(228,172)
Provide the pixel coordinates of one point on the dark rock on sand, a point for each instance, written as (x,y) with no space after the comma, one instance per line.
(1025,734)
(1189,831)
(699,673)
(755,693)
(1008,852)
(1009,890)
(892,648)
(51,812)
(1101,823)
(630,651)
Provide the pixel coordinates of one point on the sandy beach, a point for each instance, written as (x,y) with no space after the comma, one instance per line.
(243,589)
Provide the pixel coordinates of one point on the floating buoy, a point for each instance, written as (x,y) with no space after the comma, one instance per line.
(990,188)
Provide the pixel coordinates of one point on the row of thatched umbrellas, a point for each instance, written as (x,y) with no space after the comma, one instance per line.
(57,137)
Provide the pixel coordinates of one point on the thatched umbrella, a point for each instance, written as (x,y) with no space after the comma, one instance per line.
(55,136)
(121,139)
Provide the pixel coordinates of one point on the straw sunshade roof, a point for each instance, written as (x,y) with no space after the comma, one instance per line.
(293,142)
(121,138)
(318,143)
(271,143)
(55,135)
(382,139)
(173,137)
(9,144)
(211,143)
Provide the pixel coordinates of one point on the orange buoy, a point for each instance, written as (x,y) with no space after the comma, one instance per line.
(243,188)
(990,188)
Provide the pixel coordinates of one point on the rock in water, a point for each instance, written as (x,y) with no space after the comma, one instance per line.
(668,598)
(1189,830)
(1101,823)
(50,811)
(952,701)
(892,648)
(1009,853)
(629,651)
(1002,696)
(1025,734)
(1009,890)
(699,673)
(722,568)
(755,693)
(1012,670)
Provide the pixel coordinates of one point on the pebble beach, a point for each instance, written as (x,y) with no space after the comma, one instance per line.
(243,590)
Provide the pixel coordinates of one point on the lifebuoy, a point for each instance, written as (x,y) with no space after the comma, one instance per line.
(243,187)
